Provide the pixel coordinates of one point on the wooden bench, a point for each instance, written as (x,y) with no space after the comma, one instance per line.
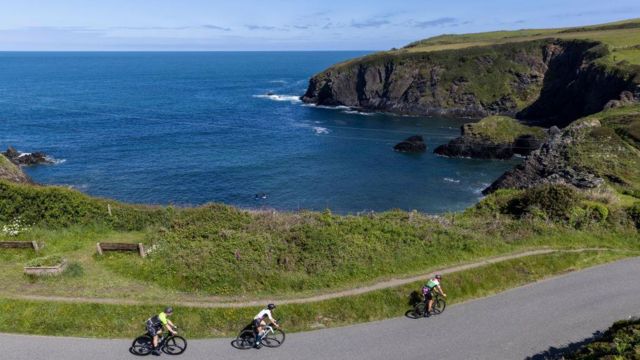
(102,247)
(20,245)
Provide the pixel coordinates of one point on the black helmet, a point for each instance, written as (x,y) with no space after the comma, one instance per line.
(168,310)
(438,276)
(271,306)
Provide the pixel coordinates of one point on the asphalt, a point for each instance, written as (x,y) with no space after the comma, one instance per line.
(516,324)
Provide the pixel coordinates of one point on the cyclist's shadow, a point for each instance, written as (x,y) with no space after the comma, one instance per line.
(414,298)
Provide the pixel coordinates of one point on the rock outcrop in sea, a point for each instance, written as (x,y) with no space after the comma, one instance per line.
(552,163)
(27,159)
(413,144)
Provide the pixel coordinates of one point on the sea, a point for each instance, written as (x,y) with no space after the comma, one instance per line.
(189,128)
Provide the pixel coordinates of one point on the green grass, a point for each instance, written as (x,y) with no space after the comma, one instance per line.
(622,38)
(502,129)
(100,320)
(219,250)
(51,260)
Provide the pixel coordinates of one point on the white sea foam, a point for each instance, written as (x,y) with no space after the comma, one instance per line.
(56,161)
(294,99)
(478,191)
(356,112)
(339,107)
(450,180)
(278,82)
(320,130)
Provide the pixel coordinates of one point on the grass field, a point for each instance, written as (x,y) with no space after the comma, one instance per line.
(118,321)
(623,39)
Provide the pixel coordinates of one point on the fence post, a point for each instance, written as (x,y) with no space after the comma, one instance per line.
(141,250)
(99,248)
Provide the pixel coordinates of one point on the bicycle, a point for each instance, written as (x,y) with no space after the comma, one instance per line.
(168,344)
(246,339)
(439,304)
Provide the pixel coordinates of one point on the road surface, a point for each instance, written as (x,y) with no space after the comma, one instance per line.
(512,325)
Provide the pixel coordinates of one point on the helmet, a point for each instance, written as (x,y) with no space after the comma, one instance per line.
(168,310)
(271,306)
(438,276)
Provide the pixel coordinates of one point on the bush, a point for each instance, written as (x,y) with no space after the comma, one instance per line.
(634,214)
(74,269)
(57,207)
(556,202)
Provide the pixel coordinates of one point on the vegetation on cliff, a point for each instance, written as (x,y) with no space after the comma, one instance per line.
(557,74)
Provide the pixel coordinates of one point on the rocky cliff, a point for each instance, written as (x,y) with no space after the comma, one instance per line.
(600,148)
(11,172)
(556,81)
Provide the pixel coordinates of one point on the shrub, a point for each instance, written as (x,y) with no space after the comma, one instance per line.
(554,201)
(74,269)
(634,214)
(58,207)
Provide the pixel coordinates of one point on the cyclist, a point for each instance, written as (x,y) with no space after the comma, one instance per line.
(155,325)
(259,323)
(427,291)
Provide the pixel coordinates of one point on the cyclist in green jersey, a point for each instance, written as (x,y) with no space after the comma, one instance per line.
(155,325)
(427,291)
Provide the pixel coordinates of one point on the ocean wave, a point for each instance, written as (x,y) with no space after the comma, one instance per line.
(319,130)
(339,107)
(278,82)
(55,161)
(450,180)
(294,99)
(478,191)
(356,112)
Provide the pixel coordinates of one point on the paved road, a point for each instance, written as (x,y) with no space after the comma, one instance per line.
(512,325)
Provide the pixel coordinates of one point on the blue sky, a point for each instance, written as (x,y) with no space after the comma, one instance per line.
(278,24)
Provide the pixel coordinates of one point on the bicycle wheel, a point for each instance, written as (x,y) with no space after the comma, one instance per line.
(245,340)
(411,314)
(439,306)
(142,345)
(419,309)
(174,345)
(273,339)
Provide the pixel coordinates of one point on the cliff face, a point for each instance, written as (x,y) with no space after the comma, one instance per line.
(552,80)
(11,172)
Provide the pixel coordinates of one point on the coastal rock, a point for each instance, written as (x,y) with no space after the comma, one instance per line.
(558,78)
(626,98)
(26,159)
(550,164)
(524,145)
(414,144)
(494,137)
(11,172)
(477,148)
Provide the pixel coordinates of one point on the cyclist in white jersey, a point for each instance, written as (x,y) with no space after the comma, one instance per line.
(259,322)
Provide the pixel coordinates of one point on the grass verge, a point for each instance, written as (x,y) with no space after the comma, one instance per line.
(93,320)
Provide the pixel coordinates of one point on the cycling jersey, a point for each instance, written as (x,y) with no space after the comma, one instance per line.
(264,313)
(432,283)
(159,320)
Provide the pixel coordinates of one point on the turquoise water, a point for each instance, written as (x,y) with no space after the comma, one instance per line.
(192,128)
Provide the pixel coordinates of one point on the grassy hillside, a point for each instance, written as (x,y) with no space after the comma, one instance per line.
(623,39)
(501,129)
